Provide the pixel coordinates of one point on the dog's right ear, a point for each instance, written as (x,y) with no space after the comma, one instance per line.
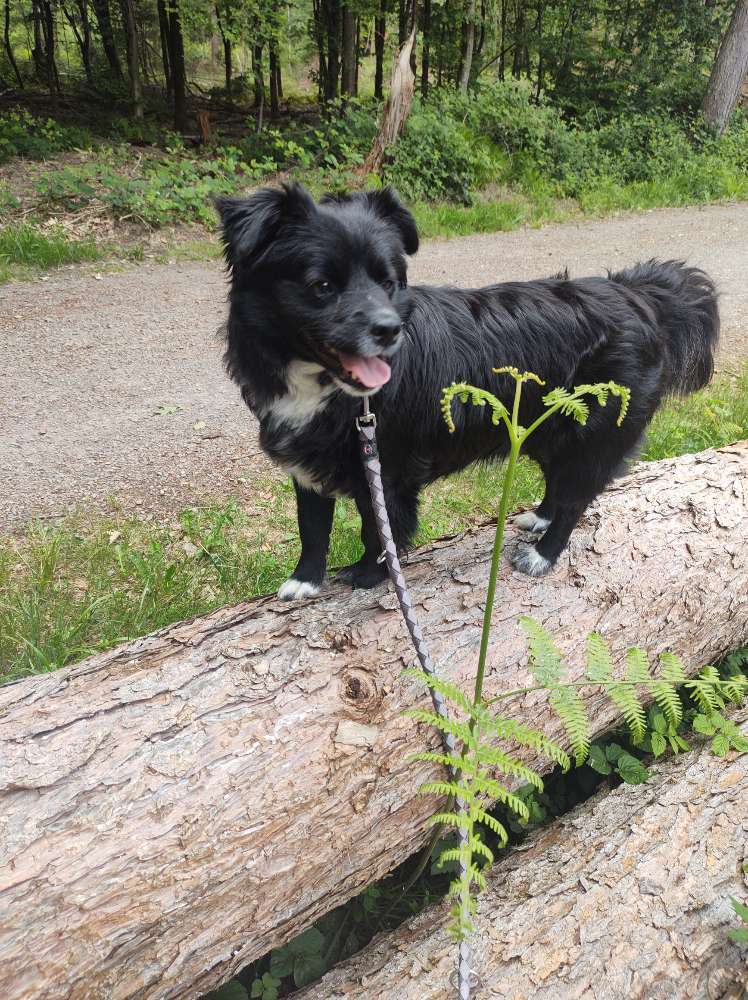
(250,224)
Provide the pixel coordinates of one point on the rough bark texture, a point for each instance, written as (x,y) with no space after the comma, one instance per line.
(396,108)
(626,897)
(729,70)
(173,808)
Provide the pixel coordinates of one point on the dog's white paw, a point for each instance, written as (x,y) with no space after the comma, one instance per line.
(527,559)
(297,590)
(529,521)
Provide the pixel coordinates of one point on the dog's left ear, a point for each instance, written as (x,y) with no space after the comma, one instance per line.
(386,204)
(250,224)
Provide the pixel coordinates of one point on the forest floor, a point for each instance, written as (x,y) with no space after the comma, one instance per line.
(114,393)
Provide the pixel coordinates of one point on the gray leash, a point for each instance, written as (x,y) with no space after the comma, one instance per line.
(366,424)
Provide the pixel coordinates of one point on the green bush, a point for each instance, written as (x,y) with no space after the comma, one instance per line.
(438,157)
(21,134)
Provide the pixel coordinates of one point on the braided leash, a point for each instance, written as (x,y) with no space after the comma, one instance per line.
(366,424)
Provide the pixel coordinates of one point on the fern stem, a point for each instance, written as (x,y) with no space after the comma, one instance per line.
(498,545)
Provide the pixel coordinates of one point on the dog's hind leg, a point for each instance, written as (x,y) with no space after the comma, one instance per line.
(315,514)
(538,559)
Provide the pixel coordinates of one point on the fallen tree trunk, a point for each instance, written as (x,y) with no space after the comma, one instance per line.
(626,896)
(173,808)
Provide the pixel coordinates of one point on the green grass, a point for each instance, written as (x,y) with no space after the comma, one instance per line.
(89,584)
(26,246)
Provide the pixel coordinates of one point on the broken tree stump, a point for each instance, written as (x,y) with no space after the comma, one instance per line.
(174,808)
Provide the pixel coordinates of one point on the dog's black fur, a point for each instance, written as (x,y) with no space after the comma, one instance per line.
(310,282)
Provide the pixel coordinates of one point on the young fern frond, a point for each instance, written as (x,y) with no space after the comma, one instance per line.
(478,397)
(568,403)
(547,663)
(492,756)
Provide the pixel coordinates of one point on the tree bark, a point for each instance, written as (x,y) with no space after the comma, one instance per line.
(176,807)
(163,30)
(626,896)
(333,24)
(348,53)
(467,60)
(274,78)
(133,59)
(104,21)
(380,30)
(176,63)
(728,72)
(426,46)
(9,47)
(396,108)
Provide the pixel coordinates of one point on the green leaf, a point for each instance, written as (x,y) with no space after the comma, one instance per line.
(613,751)
(256,989)
(659,746)
(307,968)
(281,962)
(598,761)
(720,745)
(631,770)
(704,724)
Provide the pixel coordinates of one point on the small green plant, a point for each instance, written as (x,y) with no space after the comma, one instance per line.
(487,739)
(740,934)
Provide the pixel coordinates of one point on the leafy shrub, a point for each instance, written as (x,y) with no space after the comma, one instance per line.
(439,157)
(21,134)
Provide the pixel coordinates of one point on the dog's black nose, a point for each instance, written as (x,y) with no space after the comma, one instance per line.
(385,328)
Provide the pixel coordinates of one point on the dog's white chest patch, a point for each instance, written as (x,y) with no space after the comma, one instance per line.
(303,398)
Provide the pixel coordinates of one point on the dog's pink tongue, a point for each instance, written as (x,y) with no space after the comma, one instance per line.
(371,372)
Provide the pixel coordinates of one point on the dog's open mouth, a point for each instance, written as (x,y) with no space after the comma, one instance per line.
(370,373)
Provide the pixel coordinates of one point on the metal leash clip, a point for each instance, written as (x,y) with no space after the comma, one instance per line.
(367,418)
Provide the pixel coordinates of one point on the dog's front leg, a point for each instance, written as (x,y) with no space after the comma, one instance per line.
(315,523)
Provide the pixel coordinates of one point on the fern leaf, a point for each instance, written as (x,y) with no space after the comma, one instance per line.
(458,820)
(599,662)
(490,821)
(478,847)
(460,730)
(572,713)
(478,397)
(504,762)
(448,690)
(525,736)
(547,664)
(449,788)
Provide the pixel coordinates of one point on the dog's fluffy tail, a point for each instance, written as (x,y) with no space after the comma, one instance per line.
(685,300)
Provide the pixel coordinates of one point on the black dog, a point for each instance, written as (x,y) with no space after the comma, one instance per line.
(321,316)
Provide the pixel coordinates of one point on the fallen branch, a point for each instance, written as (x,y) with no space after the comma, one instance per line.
(396,108)
(174,808)
(626,896)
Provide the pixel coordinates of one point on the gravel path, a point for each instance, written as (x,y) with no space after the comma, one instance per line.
(112,392)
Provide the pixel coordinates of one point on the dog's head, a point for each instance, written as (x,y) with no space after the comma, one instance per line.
(325,282)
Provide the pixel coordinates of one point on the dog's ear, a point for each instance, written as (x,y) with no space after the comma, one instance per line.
(250,224)
(386,204)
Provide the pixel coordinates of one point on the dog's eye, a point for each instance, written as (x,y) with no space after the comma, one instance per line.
(323,289)
(388,285)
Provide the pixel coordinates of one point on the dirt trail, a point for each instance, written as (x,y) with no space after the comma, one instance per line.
(112,390)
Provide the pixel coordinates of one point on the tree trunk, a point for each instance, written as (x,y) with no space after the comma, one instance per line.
(626,896)
(9,47)
(224,31)
(273,58)
(380,31)
(82,36)
(728,72)
(133,59)
(163,30)
(176,807)
(467,61)
(104,21)
(259,79)
(176,63)
(426,53)
(348,53)
(332,8)
(396,108)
